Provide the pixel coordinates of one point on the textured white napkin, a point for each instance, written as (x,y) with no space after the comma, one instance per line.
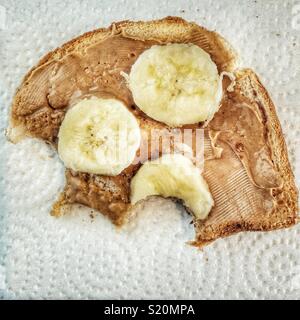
(76,257)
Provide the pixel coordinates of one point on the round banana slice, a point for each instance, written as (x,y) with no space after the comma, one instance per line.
(176,84)
(98,136)
(173,175)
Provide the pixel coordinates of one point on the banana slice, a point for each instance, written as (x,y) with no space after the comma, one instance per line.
(176,84)
(173,175)
(98,136)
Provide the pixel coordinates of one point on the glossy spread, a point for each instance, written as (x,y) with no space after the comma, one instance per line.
(238,166)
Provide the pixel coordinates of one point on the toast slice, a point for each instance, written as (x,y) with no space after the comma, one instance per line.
(246,162)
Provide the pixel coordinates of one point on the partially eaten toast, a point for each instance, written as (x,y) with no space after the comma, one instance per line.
(245,165)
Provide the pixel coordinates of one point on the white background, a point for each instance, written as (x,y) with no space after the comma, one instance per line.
(76,257)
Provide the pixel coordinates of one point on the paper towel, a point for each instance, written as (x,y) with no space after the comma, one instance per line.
(80,257)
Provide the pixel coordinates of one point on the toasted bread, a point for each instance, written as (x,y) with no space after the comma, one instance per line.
(250,176)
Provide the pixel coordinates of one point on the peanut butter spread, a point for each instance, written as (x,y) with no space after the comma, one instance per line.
(239,167)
